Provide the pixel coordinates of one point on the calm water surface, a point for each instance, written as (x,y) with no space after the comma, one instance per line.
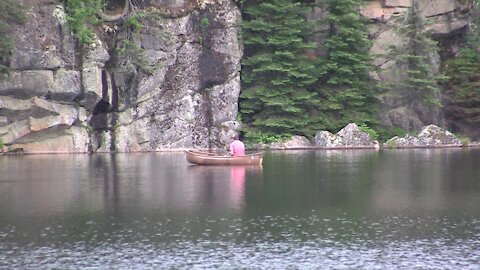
(402,209)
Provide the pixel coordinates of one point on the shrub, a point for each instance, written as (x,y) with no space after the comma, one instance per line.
(81,14)
(372,133)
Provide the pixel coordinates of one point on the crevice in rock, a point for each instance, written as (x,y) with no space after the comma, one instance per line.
(101,120)
(114,101)
(448,13)
(113,109)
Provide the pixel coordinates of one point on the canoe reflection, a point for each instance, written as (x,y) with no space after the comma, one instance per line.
(237,184)
(222,186)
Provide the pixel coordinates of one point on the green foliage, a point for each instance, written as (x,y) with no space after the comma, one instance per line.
(371,132)
(345,87)
(462,91)
(134,21)
(252,138)
(1,144)
(462,94)
(81,14)
(465,140)
(390,145)
(127,48)
(276,73)
(11,12)
(204,22)
(420,82)
(386,133)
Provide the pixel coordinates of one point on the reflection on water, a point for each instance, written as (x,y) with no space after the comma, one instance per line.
(237,185)
(400,209)
(220,188)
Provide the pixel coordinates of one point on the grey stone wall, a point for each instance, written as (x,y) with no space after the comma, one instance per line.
(177,89)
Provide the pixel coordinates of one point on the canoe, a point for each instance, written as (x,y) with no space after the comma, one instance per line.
(208,158)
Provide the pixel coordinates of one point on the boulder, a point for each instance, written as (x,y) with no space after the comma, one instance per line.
(349,137)
(434,135)
(430,136)
(327,139)
(407,141)
(295,142)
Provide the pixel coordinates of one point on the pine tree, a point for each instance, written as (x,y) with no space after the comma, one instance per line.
(462,94)
(419,83)
(346,89)
(462,91)
(276,72)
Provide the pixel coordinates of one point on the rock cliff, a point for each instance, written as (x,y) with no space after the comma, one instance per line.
(446,20)
(174,84)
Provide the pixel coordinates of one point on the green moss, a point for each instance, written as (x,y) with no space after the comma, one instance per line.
(205,22)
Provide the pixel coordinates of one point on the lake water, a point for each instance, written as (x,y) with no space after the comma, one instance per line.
(392,209)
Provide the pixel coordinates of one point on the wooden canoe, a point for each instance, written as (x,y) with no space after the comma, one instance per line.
(207,158)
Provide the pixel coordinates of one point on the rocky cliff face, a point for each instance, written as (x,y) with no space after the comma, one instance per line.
(447,20)
(174,84)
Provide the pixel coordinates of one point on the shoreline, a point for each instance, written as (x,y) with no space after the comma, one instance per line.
(175,150)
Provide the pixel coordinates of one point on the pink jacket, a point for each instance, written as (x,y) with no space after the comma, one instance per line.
(237,148)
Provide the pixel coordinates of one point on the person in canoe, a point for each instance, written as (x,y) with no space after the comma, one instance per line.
(237,148)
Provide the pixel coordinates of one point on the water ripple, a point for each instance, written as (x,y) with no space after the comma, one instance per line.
(278,242)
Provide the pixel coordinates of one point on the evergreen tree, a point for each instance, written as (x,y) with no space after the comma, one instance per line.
(276,72)
(346,89)
(462,91)
(419,82)
(462,94)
